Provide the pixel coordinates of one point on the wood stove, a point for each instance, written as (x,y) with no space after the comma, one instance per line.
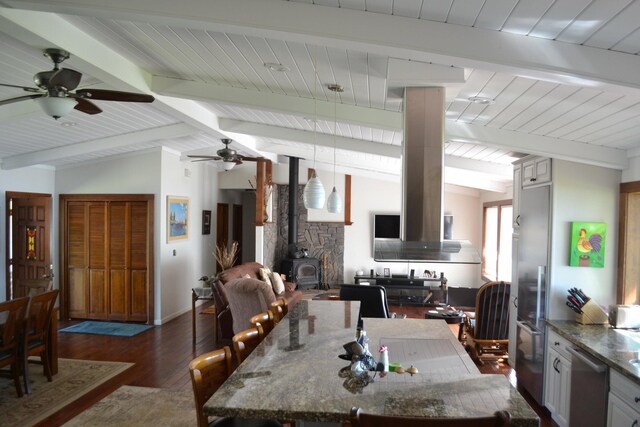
(305,272)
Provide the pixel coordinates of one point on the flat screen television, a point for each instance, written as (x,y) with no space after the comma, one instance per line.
(386,226)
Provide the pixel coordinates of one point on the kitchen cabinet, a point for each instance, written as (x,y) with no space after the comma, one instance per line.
(624,402)
(558,379)
(513,298)
(536,171)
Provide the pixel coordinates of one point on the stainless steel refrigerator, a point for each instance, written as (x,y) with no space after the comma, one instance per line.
(533,258)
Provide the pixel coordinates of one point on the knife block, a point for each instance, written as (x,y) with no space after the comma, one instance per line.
(592,314)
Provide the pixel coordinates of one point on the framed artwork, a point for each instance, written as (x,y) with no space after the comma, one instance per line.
(177,218)
(206,222)
(588,242)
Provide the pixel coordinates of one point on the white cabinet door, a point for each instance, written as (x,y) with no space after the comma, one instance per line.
(536,171)
(558,387)
(620,414)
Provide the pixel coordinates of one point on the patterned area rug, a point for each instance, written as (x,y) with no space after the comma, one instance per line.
(75,378)
(140,406)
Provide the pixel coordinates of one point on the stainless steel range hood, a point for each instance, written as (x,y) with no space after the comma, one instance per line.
(423,187)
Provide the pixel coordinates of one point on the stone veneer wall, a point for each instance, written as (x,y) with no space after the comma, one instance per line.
(323,240)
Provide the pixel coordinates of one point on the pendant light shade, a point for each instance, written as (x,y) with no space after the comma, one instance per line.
(55,106)
(334,204)
(313,196)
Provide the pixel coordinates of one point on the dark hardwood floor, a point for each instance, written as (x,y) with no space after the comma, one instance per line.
(162,354)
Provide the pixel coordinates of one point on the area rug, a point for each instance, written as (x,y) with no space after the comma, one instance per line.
(140,406)
(74,379)
(107,328)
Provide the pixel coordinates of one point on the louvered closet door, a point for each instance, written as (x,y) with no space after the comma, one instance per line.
(128,275)
(108,248)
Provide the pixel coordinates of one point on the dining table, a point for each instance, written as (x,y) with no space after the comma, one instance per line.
(296,373)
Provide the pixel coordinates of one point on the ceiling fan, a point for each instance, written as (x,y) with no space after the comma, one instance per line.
(229,156)
(54,92)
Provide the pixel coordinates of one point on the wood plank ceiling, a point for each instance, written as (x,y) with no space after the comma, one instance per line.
(219,64)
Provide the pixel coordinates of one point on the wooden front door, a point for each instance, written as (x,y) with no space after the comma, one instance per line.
(29,240)
(107,257)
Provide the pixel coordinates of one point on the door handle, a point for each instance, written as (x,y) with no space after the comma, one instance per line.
(515,302)
(527,329)
(555,365)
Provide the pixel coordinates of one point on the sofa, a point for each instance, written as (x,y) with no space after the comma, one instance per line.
(223,311)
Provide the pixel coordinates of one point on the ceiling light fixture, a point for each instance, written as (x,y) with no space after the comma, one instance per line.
(56,106)
(313,195)
(334,203)
(274,66)
(227,165)
(482,100)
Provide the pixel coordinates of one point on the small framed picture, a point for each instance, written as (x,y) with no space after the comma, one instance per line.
(206,222)
(387,272)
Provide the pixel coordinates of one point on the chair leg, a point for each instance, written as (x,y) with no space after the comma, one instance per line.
(15,373)
(44,356)
(25,373)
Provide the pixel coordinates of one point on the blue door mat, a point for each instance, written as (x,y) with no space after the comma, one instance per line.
(107,328)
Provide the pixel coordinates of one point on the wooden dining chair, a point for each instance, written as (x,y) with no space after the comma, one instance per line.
(37,333)
(487,328)
(208,372)
(12,314)
(36,286)
(360,418)
(266,320)
(244,342)
(280,309)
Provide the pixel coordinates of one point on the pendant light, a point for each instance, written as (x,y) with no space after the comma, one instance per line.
(334,204)
(313,195)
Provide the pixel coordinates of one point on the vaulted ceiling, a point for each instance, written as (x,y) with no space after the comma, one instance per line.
(560,78)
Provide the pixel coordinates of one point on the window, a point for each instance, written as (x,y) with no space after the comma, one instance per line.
(496,240)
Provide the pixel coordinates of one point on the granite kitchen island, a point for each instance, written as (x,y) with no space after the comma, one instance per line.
(296,374)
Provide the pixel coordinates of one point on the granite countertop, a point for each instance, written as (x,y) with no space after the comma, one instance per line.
(295,373)
(615,347)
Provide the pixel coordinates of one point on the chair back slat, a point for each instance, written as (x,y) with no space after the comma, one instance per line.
(492,311)
(39,315)
(12,314)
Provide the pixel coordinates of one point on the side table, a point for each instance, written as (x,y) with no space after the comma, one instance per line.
(201,294)
(450,316)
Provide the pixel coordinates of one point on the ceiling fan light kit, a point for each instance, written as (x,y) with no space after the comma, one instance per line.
(228,165)
(55,106)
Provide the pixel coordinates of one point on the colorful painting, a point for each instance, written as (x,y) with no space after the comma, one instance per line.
(177,218)
(588,244)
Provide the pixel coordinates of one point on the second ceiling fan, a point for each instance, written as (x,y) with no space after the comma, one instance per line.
(229,156)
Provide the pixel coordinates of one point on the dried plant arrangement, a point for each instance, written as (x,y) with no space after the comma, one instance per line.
(226,256)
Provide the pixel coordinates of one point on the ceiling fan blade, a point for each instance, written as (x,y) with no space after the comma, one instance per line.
(202,160)
(66,77)
(87,107)
(28,89)
(112,95)
(204,157)
(19,98)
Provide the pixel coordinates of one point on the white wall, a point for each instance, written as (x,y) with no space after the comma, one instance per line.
(183,262)
(632,172)
(371,196)
(589,194)
(29,180)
